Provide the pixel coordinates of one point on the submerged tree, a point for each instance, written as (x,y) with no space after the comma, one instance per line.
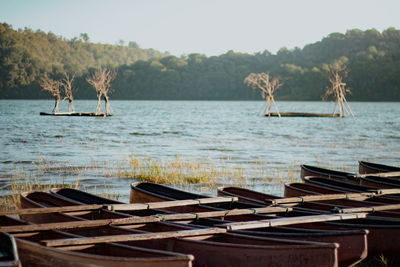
(267,86)
(66,83)
(53,87)
(101,81)
(338,89)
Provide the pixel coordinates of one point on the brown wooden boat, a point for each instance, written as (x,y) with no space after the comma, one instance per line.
(338,184)
(8,251)
(32,253)
(304,189)
(365,167)
(160,192)
(308,170)
(209,250)
(332,203)
(371,181)
(379,229)
(352,243)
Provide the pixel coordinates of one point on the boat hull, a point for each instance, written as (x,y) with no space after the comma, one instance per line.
(213,250)
(352,244)
(365,167)
(8,251)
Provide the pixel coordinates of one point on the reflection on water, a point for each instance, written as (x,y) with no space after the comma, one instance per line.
(230,134)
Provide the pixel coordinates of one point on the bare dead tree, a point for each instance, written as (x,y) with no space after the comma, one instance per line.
(66,83)
(101,81)
(107,89)
(339,90)
(267,86)
(96,80)
(53,87)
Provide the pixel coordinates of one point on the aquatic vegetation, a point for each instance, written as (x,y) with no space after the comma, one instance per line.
(171,172)
(191,174)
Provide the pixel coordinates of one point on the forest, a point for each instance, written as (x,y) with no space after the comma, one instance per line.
(372,59)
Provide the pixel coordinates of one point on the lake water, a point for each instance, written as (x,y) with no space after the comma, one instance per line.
(228,134)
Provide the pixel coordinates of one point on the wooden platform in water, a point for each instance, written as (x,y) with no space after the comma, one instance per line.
(301,114)
(76,114)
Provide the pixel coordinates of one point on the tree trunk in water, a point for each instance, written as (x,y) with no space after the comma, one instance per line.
(98,109)
(55,109)
(71,107)
(108,106)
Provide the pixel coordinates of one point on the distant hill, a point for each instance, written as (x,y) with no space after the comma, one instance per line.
(26,55)
(372,59)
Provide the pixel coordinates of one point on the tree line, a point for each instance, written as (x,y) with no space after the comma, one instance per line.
(372,59)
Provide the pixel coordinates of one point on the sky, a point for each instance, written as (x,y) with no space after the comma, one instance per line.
(182,27)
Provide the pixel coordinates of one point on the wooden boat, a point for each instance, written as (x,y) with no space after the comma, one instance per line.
(32,253)
(372,181)
(330,203)
(76,114)
(304,189)
(308,170)
(8,251)
(365,167)
(346,186)
(210,250)
(352,243)
(302,114)
(339,184)
(380,228)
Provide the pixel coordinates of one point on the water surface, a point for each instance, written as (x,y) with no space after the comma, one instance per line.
(223,133)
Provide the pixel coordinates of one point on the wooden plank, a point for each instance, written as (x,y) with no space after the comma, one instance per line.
(131,237)
(311,198)
(391,191)
(212,214)
(52,226)
(351,196)
(381,174)
(291,221)
(77,224)
(136,206)
(137,220)
(370,209)
(173,203)
(52,209)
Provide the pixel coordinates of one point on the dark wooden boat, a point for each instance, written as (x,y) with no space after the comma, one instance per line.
(372,181)
(94,255)
(378,232)
(32,253)
(302,114)
(380,228)
(346,186)
(8,251)
(304,189)
(365,167)
(352,243)
(339,184)
(308,170)
(76,114)
(327,204)
(210,250)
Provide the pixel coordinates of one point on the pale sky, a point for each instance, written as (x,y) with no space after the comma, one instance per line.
(202,26)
